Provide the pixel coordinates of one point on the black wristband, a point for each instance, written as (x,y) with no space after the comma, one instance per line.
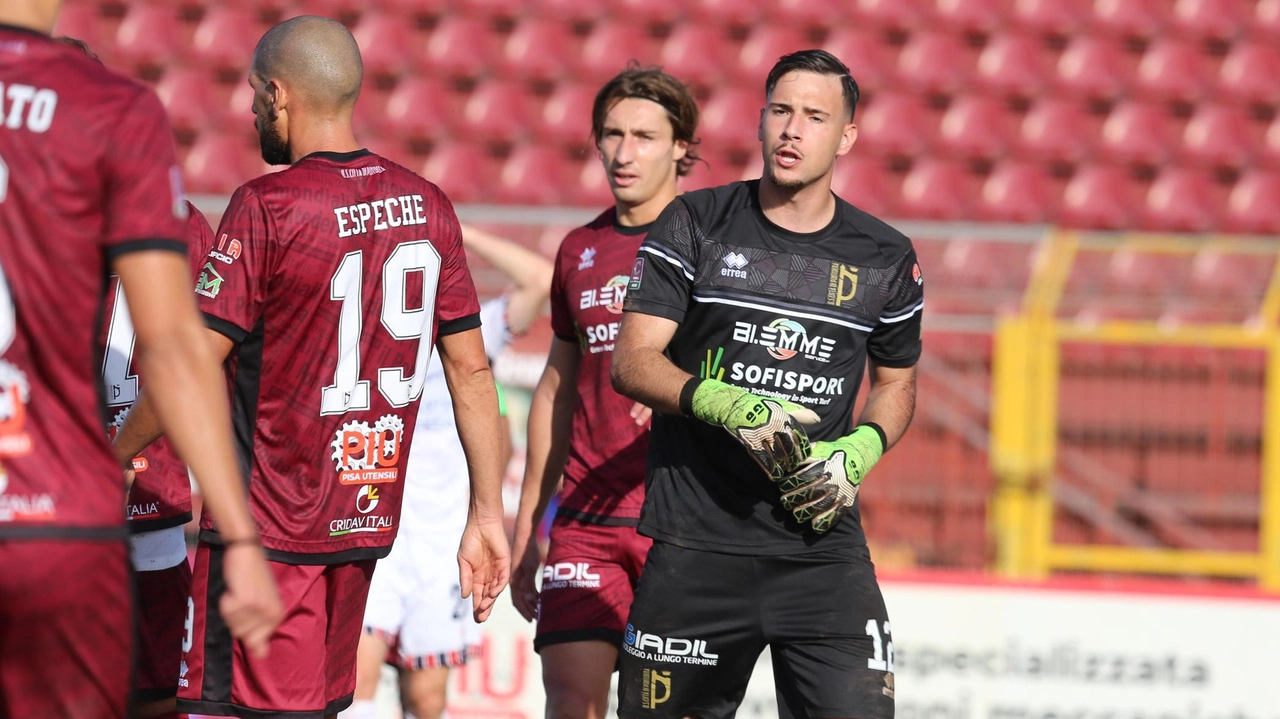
(686,395)
(884,441)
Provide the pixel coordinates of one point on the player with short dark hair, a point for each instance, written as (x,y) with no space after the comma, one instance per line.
(89,186)
(754,308)
(327,287)
(643,124)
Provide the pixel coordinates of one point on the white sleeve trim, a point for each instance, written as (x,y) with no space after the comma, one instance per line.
(904,315)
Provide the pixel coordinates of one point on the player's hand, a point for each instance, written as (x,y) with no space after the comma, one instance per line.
(770,429)
(824,488)
(483,564)
(641,414)
(526,560)
(250,607)
(129,475)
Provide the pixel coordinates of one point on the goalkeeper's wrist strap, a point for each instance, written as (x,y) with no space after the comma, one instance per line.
(884,441)
(686,395)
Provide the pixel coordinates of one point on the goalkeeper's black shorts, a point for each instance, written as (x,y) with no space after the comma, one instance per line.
(700,621)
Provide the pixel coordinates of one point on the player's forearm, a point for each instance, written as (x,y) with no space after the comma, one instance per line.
(526,268)
(891,403)
(140,429)
(475,408)
(643,373)
(550,422)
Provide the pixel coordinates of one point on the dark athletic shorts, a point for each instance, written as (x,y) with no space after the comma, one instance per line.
(700,620)
(165,614)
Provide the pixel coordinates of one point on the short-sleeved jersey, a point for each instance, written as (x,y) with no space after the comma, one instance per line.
(161,493)
(604,470)
(781,314)
(87,174)
(334,278)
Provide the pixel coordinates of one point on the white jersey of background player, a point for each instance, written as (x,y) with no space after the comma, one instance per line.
(415,618)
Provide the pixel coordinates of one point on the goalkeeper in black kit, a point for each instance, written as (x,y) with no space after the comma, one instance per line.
(754,308)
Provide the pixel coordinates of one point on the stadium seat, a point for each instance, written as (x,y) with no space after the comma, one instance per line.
(1130,18)
(1214,19)
(1094,67)
(646,12)
(225,38)
(975,127)
(1266,20)
(1181,200)
(459,48)
(608,49)
(572,11)
(1017,65)
(497,111)
(533,175)
(866,184)
(697,54)
(464,171)
(979,16)
(865,54)
(1147,273)
(893,14)
(763,47)
(1099,197)
(220,162)
(1269,150)
(414,11)
(937,190)
(192,100)
(538,50)
(1217,273)
(798,13)
(1017,192)
(715,169)
(418,109)
(722,13)
(149,37)
(1057,130)
(489,9)
(1249,73)
(1252,206)
(82,21)
(1173,69)
(1221,136)
(589,187)
(731,118)
(896,124)
(386,45)
(1138,132)
(935,62)
(566,116)
(1061,18)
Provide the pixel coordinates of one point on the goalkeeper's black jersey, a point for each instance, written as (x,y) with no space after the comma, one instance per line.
(778,313)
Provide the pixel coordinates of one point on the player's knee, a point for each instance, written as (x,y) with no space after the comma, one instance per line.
(566,701)
(424,704)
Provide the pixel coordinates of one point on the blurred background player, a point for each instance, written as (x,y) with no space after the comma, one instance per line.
(745,299)
(327,286)
(643,123)
(415,618)
(89,186)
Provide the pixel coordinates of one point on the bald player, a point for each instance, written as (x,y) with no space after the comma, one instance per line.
(328,285)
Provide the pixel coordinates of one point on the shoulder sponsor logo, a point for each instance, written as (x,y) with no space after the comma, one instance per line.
(785,338)
(227,251)
(669,650)
(588,259)
(569,575)
(368,455)
(637,274)
(209,283)
(916,275)
(844,284)
(610,296)
(735,264)
(367,499)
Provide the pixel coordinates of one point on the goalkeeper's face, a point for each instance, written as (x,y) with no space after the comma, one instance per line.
(269,122)
(803,129)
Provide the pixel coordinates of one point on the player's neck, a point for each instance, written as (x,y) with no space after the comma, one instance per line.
(645,212)
(804,209)
(327,137)
(38,15)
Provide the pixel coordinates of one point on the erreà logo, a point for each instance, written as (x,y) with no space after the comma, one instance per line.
(588,259)
(734,264)
(209,283)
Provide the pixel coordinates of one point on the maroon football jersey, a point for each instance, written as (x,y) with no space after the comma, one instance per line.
(161,493)
(87,173)
(604,473)
(334,278)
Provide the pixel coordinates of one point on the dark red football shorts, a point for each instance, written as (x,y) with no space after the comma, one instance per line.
(66,628)
(588,582)
(311,669)
(165,610)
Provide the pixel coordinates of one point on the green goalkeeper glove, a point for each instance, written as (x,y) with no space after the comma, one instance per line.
(769,428)
(824,488)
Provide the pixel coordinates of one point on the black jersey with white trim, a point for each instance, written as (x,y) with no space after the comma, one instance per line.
(778,313)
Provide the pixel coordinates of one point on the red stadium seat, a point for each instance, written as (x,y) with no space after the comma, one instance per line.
(1181,200)
(150,36)
(1174,70)
(413,10)
(893,14)
(697,54)
(981,16)
(1018,192)
(465,172)
(1252,206)
(865,54)
(1216,19)
(82,21)
(490,9)
(533,175)
(1094,67)
(1269,155)
(386,45)
(976,127)
(896,124)
(1099,197)
(1249,73)
(716,169)
(722,13)
(459,47)
(1130,18)
(610,46)
(937,190)
(1057,130)
(1266,20)
(646,12)
(588,185)
(798,13)
(1214,272)
(762,49)
(936,62)
(1220,136)
(1051,17)
(220,163)
(866,184)
(539,50)
(418,109)
(226,37)
(497,111)
(573,11)
(566,117)
(1138,132)
(192,100)
(1017,65)
(731,118)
